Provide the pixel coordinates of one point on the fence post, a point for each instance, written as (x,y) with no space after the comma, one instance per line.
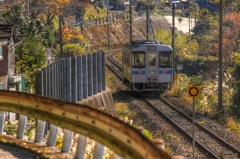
(63,85)
(81,146)
(103,71)
(45,92)
(54,79)
(74,79)
(21,126)
(41,88)
(79,79)
(57,79)
(84,73)
(68,79)
(67,138)
(39,131)
(2,121)
(98,151)
(95,84)
(99,71)
(44,81)
(89,70)
(53,128)
(52,135)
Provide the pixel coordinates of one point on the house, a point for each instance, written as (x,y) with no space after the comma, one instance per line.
(116,4)
(8,78)
(178,4)
(8,42)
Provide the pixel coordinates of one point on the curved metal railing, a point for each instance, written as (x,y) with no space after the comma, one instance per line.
(109,131)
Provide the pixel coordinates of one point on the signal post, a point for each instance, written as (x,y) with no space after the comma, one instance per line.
(193,92)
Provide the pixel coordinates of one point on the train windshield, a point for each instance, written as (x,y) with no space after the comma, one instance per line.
(139,59)
(165,59)
(151,59)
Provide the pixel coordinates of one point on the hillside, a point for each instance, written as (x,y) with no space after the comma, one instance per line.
(119,32)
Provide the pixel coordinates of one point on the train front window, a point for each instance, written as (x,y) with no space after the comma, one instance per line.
(165,59)
(139,60)
(151,59)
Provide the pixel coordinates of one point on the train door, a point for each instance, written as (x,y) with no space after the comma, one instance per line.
(165,68)
(128,70)
(124,64)
(152,70)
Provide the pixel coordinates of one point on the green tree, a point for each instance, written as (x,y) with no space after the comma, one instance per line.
(30,57)
(31,54)
(142,4)
(235,107)
(26,27)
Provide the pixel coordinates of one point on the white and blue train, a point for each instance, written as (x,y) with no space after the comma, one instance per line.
(148,66)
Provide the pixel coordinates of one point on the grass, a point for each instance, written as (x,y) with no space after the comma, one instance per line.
(173,137)
(233,126)
(119,57)
(123,111)
(207,103)
(110,81)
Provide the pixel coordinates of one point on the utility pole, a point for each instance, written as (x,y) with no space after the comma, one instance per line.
(147,20)
(108,26)
(60,33)
(130,5)
(173,36)
(27,8)
(189,16)
(220,73)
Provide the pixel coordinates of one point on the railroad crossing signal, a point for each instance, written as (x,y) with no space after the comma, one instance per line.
(194,91)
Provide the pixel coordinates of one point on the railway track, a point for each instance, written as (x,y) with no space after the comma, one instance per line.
(209,143)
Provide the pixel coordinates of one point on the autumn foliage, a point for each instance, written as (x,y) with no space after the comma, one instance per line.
(71,35)
(230,35)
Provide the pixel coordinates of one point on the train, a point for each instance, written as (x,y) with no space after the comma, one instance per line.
(147,66)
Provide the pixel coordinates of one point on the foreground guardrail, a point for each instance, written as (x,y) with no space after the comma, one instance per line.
(120,137)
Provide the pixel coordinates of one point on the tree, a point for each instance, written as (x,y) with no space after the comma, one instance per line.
(231,34)
(236,86)
(74,42)
(142,4)
(31,54)
(90,12)
(30,57)
(48,8)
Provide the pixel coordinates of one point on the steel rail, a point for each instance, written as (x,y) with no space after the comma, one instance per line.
(220,140)
(201,147)
(109,57)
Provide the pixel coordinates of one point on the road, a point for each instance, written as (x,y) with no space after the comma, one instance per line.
(11,152)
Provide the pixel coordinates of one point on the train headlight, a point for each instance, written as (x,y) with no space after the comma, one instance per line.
(152,71)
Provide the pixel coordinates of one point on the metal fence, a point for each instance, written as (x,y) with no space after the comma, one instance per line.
(70,79)
(74,78)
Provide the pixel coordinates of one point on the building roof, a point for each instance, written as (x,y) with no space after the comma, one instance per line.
(69,19)
(7,31)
